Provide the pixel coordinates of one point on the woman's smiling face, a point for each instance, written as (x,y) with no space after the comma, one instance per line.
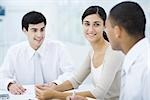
(93,27)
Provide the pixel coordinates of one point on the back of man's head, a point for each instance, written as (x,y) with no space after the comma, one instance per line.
(32,17)
(130,16)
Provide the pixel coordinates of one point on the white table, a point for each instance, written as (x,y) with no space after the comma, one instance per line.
(30,93)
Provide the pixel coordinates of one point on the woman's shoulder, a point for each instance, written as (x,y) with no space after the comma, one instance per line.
(113,53)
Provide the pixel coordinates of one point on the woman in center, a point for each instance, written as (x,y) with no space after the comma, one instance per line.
(102,62)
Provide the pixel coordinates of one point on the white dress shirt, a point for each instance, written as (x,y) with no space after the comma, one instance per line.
(18,65)
(134,84)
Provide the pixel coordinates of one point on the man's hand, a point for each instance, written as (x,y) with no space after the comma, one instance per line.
(16,89)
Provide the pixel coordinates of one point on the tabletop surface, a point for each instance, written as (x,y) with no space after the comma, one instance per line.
(30,93)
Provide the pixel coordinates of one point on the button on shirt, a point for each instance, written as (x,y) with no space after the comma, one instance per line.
(134,72)
(18,64)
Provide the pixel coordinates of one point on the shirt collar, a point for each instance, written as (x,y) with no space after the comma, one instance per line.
(31,51)
(133,53)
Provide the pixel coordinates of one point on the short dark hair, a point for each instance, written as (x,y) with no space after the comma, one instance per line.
(32,17)
(96,10)
(130,16)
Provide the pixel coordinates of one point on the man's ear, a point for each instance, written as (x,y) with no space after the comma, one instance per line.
(117,31)
(24,30)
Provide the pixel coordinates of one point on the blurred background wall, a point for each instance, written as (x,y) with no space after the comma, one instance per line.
(64,22)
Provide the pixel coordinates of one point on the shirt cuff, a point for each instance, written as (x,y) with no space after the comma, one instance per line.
(7,82)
